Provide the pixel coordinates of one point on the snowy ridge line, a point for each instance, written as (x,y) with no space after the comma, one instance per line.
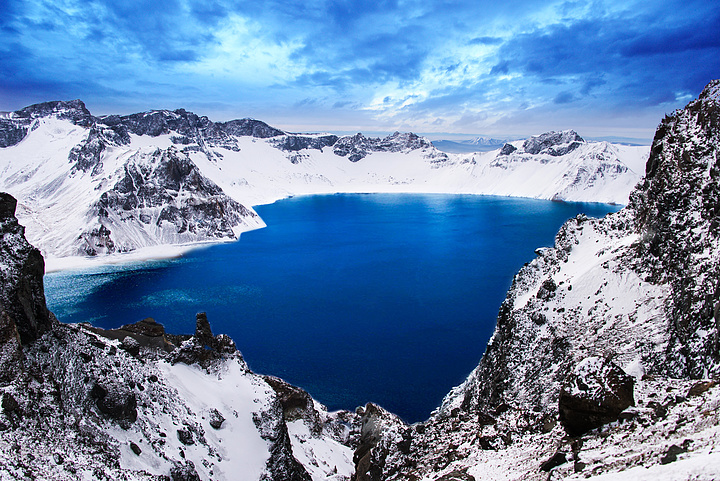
(91,186)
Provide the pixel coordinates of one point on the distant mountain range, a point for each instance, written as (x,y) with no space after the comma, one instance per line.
(476,144)
(90,185)
(487,144)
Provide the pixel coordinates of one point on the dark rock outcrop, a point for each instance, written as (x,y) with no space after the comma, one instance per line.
(216,419)
(72,110)
(250,127)
(87,155)
(184,472)
(556,460)
(166,190)
(354,147)
(378,435)
(202,348)
(358,146)
(677,207)
(595,393)
(22,298)
(296,402)
(281,464)
(294,143)
(144,334)
(11,133)
(115,401)
(507,149)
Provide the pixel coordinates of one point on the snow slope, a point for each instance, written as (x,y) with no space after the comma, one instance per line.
(66,208)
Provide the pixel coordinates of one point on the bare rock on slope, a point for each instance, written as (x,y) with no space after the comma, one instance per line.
(595,393)
(22,267)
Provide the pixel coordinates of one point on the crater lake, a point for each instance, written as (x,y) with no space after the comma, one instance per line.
(389,298)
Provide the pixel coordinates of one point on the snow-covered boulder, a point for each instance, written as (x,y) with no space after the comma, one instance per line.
(594,393)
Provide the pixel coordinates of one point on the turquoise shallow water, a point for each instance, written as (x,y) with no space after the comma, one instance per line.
(382,297)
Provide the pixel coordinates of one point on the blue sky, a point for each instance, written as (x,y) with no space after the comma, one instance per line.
(510,68)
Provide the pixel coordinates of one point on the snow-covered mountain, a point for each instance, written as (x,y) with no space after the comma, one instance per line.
(91,185)
(476,144)
(605,358)
(485,141)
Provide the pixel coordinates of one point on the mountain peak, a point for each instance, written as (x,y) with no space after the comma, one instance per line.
(553,143)
(73,110)
(711,91)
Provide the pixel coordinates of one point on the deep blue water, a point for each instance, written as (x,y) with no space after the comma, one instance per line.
(356,298)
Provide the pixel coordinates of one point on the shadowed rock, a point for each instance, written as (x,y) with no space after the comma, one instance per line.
(203,347)
(22,296)
(146,333)
(594,393)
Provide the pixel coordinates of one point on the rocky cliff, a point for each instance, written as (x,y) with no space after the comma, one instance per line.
(22,299)
(621,312)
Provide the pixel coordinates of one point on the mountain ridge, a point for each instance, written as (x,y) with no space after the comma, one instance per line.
(58,153)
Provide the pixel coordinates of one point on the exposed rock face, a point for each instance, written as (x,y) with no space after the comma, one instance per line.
(678,214)
(15,128)
(11,133)
(507,149)
(296,403)
(87,156)
(143,334)
(553,143)
(378,428)
(250,127)
(595,393)
(281,464)
(355,147)
(10,349)
(116,401)
(358,146)
(163,194)
(202,348)
(294,143)
(22,299)
(73,110)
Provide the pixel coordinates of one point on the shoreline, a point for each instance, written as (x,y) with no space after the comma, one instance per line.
(144,254)
(174,251)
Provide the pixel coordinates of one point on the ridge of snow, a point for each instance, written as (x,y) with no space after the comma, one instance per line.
(56,200)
